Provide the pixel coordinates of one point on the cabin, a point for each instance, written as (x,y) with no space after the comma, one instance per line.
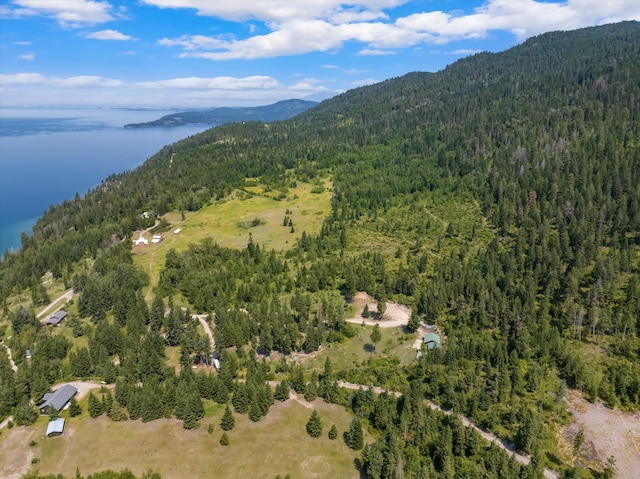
(56,318)
(431,340)
(55,427)
(57,399)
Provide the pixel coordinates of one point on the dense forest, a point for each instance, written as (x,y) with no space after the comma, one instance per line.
(534,154)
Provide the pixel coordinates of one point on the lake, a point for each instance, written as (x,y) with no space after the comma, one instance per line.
(47,156)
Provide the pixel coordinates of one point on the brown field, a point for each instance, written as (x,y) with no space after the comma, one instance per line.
(277,444)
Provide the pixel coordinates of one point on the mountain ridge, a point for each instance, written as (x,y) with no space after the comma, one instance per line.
(281,110)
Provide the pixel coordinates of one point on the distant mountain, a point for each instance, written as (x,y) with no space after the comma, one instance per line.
(282,110)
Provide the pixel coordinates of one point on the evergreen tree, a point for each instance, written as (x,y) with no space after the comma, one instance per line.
(94,406)
(227,422)
(241,400)
(376,334)
(311,391)
(224,439)
(282,391)
(314,425)
(333,432)
(354,437)
(25,414)
(74,408)
(414,322)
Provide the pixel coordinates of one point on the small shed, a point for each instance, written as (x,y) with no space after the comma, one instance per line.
(57,399)
(55,427)
(177,231)
(156,239)
(431,340)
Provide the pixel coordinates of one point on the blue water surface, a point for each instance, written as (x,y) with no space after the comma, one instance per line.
(47,156)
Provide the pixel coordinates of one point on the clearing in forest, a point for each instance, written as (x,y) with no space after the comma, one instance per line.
(229,222)
(276,445)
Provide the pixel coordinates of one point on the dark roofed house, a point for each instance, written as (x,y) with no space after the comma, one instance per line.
(55,427)
(57,399)
(56,318)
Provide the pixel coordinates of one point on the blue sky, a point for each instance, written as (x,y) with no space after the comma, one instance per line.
(204,53)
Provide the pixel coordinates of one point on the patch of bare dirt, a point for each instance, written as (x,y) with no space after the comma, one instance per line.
(15,453)
(395,314)
(610,432)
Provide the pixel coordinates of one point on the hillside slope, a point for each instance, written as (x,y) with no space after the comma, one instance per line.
(499,198)
(282,110)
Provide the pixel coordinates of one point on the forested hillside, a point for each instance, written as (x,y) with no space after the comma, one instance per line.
(499,198)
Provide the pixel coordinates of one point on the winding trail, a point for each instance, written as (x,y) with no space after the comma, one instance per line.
(487,436)
(13,364)
(207,329)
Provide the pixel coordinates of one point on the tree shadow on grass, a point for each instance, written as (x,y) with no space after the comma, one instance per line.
(370,348)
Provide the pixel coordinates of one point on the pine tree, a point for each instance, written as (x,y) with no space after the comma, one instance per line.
(354,438)
(224,439)
(241,400)
(414,322)
(311,392)
(314,425)
(333,432)
(95,406)
(228,422)
(376,334)
(74,408)
(282,391)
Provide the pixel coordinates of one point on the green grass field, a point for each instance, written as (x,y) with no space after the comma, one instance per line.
(230,221)
(277,444)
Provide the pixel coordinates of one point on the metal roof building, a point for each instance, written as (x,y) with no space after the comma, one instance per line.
(431,340)
(58,399)
(57,318)
(55,427)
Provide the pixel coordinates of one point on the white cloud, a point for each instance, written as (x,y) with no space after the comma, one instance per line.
(20,79)
(108,35)
(375,52)
(324,25)
(215,83)
(30,89)
(338,11)
(68,13)
(22,43)
(27,56)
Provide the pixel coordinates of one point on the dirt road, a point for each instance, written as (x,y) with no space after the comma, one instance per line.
(67,295)
(487,436)
(207,329)
(13,365)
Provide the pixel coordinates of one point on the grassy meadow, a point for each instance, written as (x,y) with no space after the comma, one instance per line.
(277,444)
(230,221)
